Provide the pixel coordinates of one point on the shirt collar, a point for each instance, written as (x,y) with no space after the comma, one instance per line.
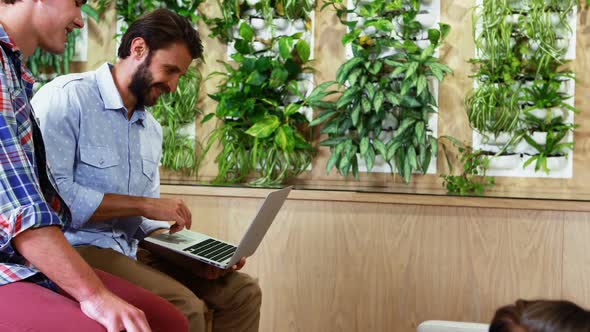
(110,95)
(6,40)
(25,73)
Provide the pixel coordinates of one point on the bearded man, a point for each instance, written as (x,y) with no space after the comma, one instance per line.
(104,149)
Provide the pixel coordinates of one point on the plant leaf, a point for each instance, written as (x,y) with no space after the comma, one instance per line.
(265,127)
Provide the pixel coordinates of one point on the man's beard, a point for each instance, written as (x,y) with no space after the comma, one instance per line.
(142,83)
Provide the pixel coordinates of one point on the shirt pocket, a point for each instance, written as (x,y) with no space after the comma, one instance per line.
(98,167)
(149,167)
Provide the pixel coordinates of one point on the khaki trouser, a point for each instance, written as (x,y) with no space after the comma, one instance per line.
(235,297)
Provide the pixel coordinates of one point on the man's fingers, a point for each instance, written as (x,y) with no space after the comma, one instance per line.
(130,326)
(113,327)
(187,215)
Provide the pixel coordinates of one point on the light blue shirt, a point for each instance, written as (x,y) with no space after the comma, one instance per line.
(93,149)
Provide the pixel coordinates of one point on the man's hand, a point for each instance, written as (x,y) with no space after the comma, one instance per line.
(114,314)
(211,272)
(169,209)
(75,277)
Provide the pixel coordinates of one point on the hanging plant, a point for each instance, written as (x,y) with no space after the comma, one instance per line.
(130,10)
(521,104)
(387,101)
(259,14)
(472,180)
(260,129)
(177,112)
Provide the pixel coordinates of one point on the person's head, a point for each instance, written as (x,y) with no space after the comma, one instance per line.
(160,46)
(541,316)
(50,21)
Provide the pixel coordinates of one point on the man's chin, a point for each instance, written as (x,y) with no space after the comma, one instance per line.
(54,49)
(150,102)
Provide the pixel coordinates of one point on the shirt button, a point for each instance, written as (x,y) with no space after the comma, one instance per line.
(101,162)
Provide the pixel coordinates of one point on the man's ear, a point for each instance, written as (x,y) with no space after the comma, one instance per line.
(139,49)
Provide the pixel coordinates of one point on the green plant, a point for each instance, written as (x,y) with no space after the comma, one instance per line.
(387,102)
(130,10)
(473,179)
(545,94)
(259,129)
(494,108)
(233,11)
(553,147)
(173,111)
(520,76)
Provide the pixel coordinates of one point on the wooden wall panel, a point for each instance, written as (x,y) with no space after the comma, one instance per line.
(576,258)
(342,266)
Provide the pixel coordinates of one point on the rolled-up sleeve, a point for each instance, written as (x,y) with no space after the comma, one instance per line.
(59,123)
(22,204)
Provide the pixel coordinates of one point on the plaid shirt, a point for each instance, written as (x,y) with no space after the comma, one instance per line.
(27,195)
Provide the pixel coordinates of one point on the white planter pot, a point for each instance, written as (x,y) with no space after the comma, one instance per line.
(534,45)
(564,87)
(304,87)
(540,137)
(369,31)
(501,139)
(553,163)
(189,130)
(542,113)
(562,44)
(281,24)
(512,19)
(257,23)
(557,163)
(397,23)
(250,12)
(423,43)
(258,46)
(390,122)
(524,147)
(299,24)
(554,18)
(427,20)
(505,162)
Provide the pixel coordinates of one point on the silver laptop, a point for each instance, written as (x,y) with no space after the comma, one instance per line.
(219,253)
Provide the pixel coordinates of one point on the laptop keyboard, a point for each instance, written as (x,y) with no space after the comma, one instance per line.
(212,249)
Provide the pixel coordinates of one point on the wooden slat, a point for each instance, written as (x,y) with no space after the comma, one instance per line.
(417,199)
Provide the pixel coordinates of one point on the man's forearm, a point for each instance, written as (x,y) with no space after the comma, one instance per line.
(49,251)
(120,206)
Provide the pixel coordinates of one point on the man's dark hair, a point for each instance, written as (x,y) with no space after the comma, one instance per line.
(160,29)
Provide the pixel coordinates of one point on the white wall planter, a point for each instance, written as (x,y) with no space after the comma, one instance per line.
(501,139)
(556,163)
(504,162)
(281,24)
(257,23)
(299,24)
(427,20)
(189,130)
(423,43)
(543,113)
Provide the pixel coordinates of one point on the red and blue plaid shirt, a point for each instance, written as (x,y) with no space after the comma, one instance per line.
(27,195)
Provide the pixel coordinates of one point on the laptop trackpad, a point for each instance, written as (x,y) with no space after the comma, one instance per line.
(177,239)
